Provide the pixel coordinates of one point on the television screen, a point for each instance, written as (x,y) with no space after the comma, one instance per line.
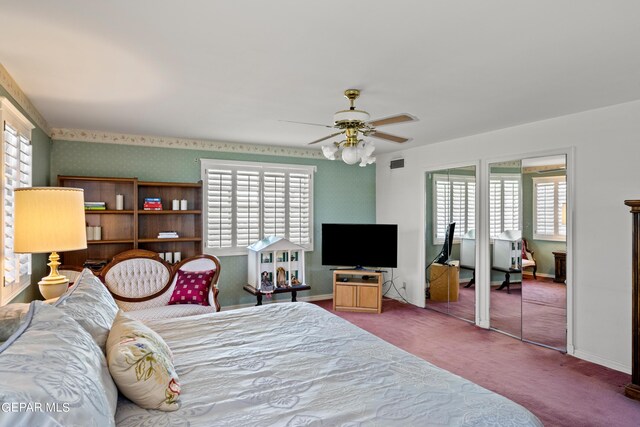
(445,253)
(360,245)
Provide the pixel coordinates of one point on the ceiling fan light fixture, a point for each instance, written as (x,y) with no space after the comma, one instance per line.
(350,116)
(329,151)
(350,155)
(367,161)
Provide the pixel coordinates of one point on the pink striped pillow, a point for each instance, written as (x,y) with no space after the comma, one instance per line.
(192,287)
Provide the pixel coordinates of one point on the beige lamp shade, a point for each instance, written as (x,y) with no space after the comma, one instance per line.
(49,219)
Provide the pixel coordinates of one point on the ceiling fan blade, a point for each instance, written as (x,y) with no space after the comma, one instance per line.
(305,123)
(398,118)
(389,137)
(326,137)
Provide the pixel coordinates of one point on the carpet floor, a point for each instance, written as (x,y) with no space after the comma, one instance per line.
(559,389)
(534,310)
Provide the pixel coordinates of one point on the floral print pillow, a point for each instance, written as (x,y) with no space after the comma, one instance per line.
(141,364)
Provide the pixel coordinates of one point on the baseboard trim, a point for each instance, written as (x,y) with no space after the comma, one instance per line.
(601,361)
(307,298)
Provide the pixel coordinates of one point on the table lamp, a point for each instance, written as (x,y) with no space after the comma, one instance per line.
(49,219)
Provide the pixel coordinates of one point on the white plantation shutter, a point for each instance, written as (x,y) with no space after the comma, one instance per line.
(247,201)
(504,204)
(300,208)
(247,207)
(274,195)
(511,204)
(17,173)
(471,205)
(454,201)
(443,208)
(219,203)
(549,196)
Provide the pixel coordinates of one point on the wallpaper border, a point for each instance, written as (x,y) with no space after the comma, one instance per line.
(23,101)
(183,143)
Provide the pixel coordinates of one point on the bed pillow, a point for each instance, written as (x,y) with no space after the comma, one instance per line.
(53,373)
(11,316)
(140,364)
(192,287)
(89,302)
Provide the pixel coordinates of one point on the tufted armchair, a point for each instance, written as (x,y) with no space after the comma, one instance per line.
(142,284)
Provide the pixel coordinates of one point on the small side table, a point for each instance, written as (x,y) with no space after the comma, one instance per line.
(293,289)
(561,266)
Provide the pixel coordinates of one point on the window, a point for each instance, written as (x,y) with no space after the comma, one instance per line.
(247,201)
(16,173)
(504,204)
(454,201)
(549,201)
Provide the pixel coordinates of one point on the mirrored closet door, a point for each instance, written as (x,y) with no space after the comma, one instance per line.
(527,217)
(450,241)
(505,233)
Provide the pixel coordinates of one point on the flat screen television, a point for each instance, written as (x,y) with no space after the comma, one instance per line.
(445,253)
(360,245)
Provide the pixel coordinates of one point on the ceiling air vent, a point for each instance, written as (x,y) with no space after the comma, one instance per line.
(396,164)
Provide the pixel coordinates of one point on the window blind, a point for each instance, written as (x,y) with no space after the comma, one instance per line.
(454,201)
(504,204)
(274,194)
(300,208)
(247,201)
(219,218)
(549,198)
(247,207)
(17,173)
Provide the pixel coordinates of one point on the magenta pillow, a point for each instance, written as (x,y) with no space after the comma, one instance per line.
(192,287)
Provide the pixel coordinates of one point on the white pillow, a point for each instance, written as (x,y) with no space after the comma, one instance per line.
(91,305)
(140,364)
(53,369)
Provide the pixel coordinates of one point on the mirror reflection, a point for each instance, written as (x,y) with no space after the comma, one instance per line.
(528,205)
(544,293)
(450,241)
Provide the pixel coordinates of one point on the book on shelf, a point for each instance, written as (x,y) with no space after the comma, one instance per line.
(152,206)
(95,206)
(152,200)
(168,235)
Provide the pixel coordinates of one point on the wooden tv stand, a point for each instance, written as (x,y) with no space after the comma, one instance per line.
(357,290)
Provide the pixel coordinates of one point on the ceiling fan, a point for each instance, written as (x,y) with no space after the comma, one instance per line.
(354,124)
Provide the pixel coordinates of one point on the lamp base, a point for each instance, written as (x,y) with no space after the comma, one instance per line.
(54,284)
(53,291)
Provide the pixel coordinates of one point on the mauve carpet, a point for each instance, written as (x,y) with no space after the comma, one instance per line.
(535,310)
(559,389)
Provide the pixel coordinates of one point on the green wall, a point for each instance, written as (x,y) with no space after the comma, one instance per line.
(41,149)
(342,193)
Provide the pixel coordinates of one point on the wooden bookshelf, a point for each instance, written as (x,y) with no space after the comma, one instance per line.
(133,227)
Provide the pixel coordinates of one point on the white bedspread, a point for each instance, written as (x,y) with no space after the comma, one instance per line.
(295,364)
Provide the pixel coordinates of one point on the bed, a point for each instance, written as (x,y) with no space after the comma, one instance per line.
(295,364)
(289,364)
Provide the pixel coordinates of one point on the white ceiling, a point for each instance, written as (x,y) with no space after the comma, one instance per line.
(232,70)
